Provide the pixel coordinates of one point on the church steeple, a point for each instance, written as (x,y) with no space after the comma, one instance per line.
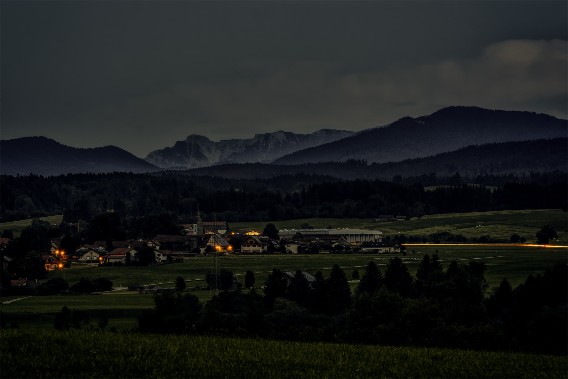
(198,222)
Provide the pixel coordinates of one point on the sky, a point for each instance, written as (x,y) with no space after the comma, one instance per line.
(143,74)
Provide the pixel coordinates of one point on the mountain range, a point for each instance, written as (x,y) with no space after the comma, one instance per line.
(199,151)
(504,158)
(391,149)
(446,130)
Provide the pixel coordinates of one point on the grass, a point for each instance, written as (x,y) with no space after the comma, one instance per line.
(48,353)
(515,263)
(18,226)
(497,224)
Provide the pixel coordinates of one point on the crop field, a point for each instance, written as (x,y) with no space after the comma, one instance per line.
(497,224)
(118,355)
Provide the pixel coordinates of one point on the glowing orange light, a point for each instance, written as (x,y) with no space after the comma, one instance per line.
(230,248)
(487,244)
(60,265)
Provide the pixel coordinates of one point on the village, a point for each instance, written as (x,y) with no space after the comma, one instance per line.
(204,238)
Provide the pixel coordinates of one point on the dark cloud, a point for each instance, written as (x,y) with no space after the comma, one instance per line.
(141,75)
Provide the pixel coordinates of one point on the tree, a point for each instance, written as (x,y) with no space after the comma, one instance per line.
(371,281)
(355,275)
(106,227)
(270,231)
(545,234)
(145,256)
(68,244)
(225,279)
(397,277)
(180,284)
(249,279)
(275,286)
(338,291)
(299,289)
(428,274)
(63,319)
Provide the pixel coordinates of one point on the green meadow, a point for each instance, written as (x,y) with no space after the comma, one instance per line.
(119,355)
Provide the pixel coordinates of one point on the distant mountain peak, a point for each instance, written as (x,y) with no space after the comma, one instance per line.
(199,151)
(45,156)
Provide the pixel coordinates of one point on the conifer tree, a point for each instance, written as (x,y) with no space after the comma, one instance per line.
(372,280)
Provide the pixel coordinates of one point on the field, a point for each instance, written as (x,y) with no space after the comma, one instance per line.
(18,226)
(118,355)
(122,306)
(498,224)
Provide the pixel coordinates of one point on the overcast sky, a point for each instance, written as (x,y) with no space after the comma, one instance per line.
(142,75)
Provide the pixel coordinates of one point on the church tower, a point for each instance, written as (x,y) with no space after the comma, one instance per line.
(198,223)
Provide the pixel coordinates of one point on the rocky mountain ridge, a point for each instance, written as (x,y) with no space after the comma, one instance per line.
(199,151)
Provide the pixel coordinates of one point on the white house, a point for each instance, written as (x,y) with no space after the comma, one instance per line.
(253,245)
(90,255)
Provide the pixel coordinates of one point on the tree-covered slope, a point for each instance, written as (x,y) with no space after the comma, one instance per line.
(44,156)
(446,130)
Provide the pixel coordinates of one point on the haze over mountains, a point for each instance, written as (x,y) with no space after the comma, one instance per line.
(444,131)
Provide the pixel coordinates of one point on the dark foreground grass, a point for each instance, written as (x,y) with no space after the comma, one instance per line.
(48,354)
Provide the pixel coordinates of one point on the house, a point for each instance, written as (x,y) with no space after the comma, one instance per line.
(330,236)
(253,245)
(219,243)
(385,218)
(118,256)
(51,263)
(55,242)
(88,255)
(292,248)
(160,257)
(218,227)
(174,242)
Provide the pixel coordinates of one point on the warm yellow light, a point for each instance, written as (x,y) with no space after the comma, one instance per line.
(60,265)
(252,233)
(217,247)
(230,248)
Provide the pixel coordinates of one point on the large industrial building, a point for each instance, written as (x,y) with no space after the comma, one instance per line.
(352,236)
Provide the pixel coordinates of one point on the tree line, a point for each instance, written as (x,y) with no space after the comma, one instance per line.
(82,196)
(440,306)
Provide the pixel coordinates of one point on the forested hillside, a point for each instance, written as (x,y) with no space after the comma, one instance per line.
(517,158)
(81,196)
